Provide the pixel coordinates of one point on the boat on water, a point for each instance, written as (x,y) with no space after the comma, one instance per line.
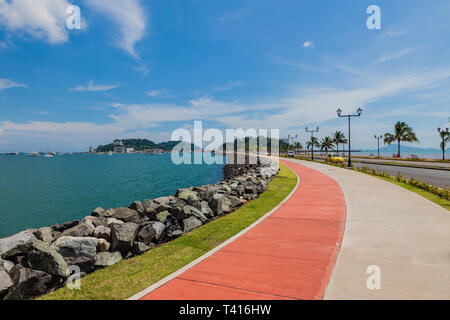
(48,155)
(35,154)
(110,153)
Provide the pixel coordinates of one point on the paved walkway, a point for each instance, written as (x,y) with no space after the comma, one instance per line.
(404,234)
(289,255)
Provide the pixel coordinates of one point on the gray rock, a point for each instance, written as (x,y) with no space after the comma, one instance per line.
(151,232)
(65,226)
(235,201)
(216,204)
(5,281)
(162,216)
(78,251)
(122,236)
(102,232)
(45,234)
(28,283)
(126,215)
(176,234)
(103,245)
(111,221)
(109,213)
(140,248)
(24,238)
(95,221)
(99,212)
(184,194)
(191,223)
(83,229)
(106,259)
(206,210)
(162,200)
(7,265)
(251,189)
(197,213)
(44,258)
(139,207)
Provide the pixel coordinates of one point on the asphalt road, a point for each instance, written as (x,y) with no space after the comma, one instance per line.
(439,178)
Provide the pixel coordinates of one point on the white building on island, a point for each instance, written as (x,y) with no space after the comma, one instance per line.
(118,146)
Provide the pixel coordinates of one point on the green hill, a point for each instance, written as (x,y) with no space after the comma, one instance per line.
(141,144)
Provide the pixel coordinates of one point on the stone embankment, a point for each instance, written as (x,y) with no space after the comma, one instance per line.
(35,261)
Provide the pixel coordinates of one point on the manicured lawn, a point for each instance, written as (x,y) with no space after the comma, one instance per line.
(129,277)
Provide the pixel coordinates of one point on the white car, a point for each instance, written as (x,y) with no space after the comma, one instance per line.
(291,154)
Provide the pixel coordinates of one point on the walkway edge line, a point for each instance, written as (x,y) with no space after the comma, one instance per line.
(172,276)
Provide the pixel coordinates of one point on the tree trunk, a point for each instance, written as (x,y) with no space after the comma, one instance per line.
(398,149)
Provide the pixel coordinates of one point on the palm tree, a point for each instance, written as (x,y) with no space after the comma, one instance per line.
(298,146)
(445,136)
(314,142)
(403,132)
(326,143)
(338,138)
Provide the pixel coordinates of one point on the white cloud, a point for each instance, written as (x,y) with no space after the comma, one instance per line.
(232,16)
(94,87)
(130,17)
(7,84)
(230,85)
(396,55)
(159,93)
(308,44)
(43,19)
(390,34)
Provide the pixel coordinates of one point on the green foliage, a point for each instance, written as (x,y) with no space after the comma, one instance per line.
(339,138)
(403,132)
(141,144)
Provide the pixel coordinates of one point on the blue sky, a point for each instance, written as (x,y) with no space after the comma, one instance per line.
(141,69)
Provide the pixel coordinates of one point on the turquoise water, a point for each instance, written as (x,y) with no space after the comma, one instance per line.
(37,192)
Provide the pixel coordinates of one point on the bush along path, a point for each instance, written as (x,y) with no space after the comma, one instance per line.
(35,261)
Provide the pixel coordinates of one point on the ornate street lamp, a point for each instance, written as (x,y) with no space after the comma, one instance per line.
(443,140)
(378,138)
(349,116)
(312,142)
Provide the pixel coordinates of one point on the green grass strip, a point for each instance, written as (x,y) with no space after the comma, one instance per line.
(131,276)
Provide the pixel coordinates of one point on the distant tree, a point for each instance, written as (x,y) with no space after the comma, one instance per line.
(402,132)
(326,144)
(339,138)
(445,138)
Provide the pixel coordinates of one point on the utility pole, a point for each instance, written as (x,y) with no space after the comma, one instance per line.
(349,116)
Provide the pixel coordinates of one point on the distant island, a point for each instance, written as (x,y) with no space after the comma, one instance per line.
(139,145)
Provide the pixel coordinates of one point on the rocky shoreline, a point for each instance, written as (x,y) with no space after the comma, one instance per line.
(36,261)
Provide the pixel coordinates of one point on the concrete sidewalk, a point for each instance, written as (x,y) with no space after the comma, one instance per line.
(289,255)
(404,234)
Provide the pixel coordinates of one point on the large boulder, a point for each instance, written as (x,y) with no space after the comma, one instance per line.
(122,236)
(102,232)
(111,221)
(140,248)
(67,225)
(99,212)
(5,282)
(235,201)
(126,215)
(95,221)
(45,234)
(103,245)
(151,232)
(82,229)
(44,258)
(206,210)
(196,213)
(139,207)
(7,265)
(217,204)
(28,283)
(21,239)
(106,259)
(78,251)
(162,216)
(191,223)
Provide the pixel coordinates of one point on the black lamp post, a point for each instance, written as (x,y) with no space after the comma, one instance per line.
(378,138)
(443,140)
(292,138)
(312,142)
(349,116)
